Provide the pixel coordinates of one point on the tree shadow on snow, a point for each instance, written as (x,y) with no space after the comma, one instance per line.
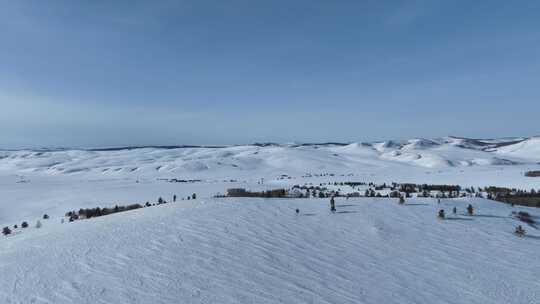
(532,225)
(342,212)
(309,214)
(489,215)
(458,219)
(416,204)
(345,205)
(534,237)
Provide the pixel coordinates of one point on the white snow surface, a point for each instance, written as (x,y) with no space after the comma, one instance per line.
(258,250)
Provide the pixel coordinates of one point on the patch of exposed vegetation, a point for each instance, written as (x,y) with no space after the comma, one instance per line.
(533,173)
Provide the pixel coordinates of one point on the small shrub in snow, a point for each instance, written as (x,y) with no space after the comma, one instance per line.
(401,200)
(45,216)
(519,231)
(441,214)
(38,224)
(470,209)
(6,231)
(24,225)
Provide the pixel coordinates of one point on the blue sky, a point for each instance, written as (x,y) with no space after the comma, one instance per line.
(109,73)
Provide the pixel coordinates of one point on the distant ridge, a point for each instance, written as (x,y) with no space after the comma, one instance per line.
(153,147)
(462,142)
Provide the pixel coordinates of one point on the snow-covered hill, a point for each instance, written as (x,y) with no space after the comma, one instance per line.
(260,251)
(156,161)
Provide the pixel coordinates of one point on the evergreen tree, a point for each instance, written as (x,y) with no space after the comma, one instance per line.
(519,231)
(332,204)
(470,209)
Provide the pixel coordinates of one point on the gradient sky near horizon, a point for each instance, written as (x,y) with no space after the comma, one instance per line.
(114,73)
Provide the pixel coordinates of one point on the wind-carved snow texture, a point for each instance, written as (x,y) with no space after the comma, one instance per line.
(260,251)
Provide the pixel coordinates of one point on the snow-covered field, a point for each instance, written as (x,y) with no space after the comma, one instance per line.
(258,250)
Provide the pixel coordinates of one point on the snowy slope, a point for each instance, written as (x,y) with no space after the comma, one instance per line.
(527,149)
(259,251)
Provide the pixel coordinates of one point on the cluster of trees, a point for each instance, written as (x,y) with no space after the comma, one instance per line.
(318,174)
(529,199)
(96,212)
(239,192)
(87,213)
(514,196)
(440,188)
(176,180)
(353,184)
(533,173)
(311,188)
(312,191)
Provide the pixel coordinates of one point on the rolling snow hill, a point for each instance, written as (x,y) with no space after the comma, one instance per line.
(156,161)
(260,251)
